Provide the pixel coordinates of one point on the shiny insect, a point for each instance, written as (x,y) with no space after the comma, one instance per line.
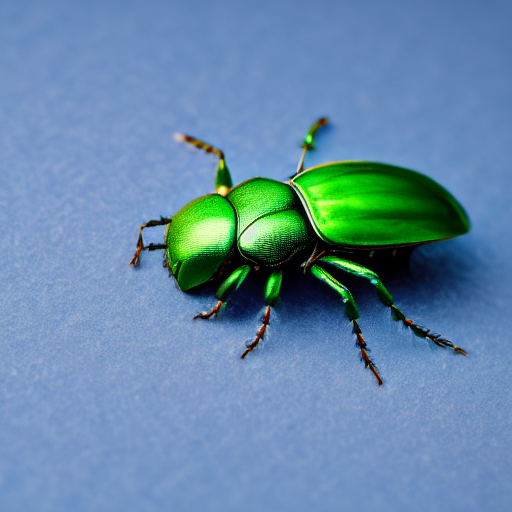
(322,219)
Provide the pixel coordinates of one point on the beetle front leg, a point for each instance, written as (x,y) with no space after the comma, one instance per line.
(230,285)
(205,315)
(272,289)
(352,314)
(151,247)
(386,298)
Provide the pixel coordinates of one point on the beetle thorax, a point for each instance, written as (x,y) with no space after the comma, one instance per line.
(272,226)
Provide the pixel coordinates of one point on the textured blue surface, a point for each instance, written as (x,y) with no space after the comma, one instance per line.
(111,397)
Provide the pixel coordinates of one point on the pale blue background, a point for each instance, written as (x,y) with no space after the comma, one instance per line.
(112,399)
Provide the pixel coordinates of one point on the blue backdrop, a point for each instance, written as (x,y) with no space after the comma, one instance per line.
(111,397)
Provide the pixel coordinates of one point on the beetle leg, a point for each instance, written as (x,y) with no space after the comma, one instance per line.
(259,335)
(205,315)
(230,285)
(317,253)
(151,247)
(272,289)
(423,332)
(386,298)
(223,181)
(308,143)
(352,314)
(368,363)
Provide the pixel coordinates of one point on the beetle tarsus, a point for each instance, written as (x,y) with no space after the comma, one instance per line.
(135,259)
(259,335)
(423,332)
(205,315)
(368,363)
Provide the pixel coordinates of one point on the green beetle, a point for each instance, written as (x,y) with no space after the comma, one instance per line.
(317,219)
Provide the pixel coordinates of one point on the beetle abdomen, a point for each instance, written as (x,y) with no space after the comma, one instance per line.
(272,225)
(371,205)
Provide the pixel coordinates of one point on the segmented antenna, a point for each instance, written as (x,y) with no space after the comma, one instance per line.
(223,181)
(308,143)
(199,144)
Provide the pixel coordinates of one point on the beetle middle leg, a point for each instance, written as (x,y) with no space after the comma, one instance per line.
(386,298)
(151,247)
(352,314)
(272,289)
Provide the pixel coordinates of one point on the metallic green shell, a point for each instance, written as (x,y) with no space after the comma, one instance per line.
(272,225)
(370,205)
(257,197)
(275,238)
(200,239)
(273,287)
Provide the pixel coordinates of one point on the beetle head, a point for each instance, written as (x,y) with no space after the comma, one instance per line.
(200,239)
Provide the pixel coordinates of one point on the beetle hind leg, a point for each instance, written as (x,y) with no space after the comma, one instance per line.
(423,332)
(368,363)
(386,298)
(352,314)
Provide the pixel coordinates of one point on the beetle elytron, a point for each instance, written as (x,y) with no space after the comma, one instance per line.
(319,216)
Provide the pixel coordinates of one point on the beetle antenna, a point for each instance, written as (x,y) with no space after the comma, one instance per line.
(223,181)
(308,143)
(199,144)
(151,247)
